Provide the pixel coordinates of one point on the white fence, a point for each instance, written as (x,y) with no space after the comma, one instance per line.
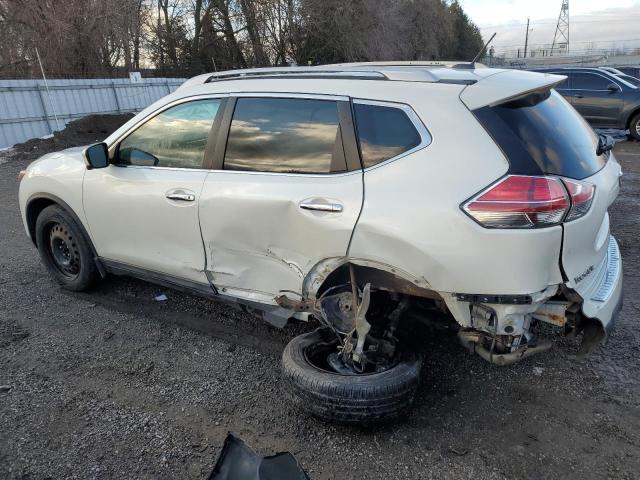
(29,110)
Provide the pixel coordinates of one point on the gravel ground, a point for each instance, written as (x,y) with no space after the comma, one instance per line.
(112,384)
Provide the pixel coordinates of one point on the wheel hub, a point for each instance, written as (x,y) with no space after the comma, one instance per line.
(64,250)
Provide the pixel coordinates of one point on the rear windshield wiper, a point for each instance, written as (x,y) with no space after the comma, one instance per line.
(605,143)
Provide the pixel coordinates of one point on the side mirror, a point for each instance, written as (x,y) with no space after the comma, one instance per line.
(97,156)
(612,87)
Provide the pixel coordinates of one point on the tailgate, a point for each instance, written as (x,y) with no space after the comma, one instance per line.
(586,241)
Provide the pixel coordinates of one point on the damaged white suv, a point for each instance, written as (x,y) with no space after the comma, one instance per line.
(373,197)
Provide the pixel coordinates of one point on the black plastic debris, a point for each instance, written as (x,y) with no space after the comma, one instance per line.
(238,461)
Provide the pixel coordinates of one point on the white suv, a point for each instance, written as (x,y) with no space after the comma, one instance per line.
(372,197)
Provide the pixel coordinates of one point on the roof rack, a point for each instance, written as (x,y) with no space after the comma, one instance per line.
(295,72)
(431,72)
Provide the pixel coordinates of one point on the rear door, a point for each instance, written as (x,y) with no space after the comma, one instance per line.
(591,96)
(285,194)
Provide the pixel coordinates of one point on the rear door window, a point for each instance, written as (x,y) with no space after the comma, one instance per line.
(384,132)
(285,135)
(543,134)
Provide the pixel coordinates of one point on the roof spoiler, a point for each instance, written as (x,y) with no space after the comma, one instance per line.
(506,86)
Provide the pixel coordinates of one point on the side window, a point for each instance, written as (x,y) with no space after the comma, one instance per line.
(383,132)
(589,81)
(177,137)
(285,135)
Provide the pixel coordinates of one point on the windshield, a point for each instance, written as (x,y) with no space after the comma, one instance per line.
(543,134)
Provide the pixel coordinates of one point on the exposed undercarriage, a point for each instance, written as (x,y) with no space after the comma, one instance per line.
(375,315)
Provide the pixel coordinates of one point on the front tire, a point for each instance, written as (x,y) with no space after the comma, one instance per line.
(351,399)
(634,127)
(65,250)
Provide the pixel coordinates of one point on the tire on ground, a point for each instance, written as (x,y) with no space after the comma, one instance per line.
(351,399)
(88,273)
(634,127)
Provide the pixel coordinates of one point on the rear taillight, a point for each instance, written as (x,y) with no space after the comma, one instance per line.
(581,197)
(519,201)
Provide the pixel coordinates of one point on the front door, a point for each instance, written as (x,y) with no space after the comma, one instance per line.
(142,209)
(595,98)
(286,194)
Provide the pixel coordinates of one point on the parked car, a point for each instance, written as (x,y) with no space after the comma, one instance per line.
(619,74)
(629,79)
(344,194)
(604,99)
(633,71)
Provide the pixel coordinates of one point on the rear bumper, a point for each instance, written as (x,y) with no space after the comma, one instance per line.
(603,301)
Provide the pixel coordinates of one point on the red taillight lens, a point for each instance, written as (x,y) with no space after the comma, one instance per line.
(581,197)
(519,201)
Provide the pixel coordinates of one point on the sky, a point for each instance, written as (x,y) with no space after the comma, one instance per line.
(593,23)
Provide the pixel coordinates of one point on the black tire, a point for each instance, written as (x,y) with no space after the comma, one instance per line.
(634,127)
(65,250)
(351,399)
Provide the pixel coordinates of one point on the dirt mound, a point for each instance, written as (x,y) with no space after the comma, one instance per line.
(85,130)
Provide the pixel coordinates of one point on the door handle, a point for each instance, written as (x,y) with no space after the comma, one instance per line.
(578,95)
(180,195)
(320,206)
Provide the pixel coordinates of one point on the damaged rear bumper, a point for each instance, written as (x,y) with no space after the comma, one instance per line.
(603,301)
(518,326)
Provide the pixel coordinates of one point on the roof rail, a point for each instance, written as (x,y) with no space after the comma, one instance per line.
(296,72)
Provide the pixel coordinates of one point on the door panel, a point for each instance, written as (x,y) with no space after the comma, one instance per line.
(260,241)
(132,221)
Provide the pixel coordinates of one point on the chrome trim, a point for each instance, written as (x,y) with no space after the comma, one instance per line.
(608,284)
(425,136)
(320,207)
(313,96)
(283,174)
(179,169)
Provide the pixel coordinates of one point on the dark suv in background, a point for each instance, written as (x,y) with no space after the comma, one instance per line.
(604,99)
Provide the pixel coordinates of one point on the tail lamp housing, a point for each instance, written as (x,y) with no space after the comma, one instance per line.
(524,201)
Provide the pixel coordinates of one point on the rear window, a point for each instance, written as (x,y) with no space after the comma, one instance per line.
(543,134)
(384,132)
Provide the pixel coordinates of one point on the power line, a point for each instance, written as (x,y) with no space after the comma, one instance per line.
(574,43)
(520,24)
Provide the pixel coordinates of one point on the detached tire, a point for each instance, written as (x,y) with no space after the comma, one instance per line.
(634,127)
(65,250)
(351,399)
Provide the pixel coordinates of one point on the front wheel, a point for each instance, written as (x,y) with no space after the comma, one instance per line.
(353,399)
(65,250)
(634,127)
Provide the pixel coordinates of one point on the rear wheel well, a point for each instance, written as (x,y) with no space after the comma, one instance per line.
(631,117)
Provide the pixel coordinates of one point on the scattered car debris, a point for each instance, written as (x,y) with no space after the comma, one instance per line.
(238,461)
(161,298)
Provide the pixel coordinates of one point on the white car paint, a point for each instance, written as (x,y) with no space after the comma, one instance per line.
(247,235)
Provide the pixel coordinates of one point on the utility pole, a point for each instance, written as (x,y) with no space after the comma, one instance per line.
(561,37)
(526,39)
